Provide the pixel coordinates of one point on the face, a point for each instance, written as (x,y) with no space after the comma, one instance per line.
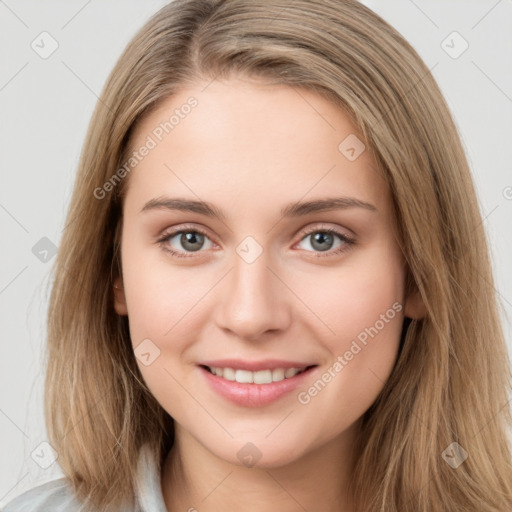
(255,280)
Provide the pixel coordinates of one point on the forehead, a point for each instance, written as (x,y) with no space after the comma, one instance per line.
(245,138)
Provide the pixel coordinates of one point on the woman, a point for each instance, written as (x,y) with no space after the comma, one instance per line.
(206,350)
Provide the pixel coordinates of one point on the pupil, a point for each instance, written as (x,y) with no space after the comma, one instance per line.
(189,239)
(321,238)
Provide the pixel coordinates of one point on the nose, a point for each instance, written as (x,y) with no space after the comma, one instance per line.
(254,300)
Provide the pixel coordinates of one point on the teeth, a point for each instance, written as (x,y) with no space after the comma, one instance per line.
(259,377)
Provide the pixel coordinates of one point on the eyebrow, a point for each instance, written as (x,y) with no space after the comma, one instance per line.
(297,209)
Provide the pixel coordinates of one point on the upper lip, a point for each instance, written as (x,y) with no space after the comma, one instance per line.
(254,366)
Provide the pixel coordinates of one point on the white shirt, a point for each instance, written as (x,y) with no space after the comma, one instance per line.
(57,496)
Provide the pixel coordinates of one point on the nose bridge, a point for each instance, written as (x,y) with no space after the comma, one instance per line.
(254,300)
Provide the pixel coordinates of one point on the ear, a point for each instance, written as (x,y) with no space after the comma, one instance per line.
(414,305)
(119,297)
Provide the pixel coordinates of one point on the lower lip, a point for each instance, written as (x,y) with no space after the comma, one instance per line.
(254,395)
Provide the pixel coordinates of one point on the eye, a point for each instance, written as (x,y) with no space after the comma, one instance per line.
(324,240)
(183,241)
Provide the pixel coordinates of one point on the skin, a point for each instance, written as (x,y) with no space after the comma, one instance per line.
(250,149)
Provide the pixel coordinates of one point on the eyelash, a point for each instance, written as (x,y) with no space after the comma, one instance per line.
(348,241)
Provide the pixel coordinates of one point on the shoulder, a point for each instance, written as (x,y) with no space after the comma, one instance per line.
(55,495)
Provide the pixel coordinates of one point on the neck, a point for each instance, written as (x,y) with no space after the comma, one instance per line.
(195,479)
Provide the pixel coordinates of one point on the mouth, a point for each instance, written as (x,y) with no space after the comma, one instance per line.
(247,388)
(264,376)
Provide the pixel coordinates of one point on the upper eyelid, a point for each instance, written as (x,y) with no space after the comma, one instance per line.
(172,232)
(323,227)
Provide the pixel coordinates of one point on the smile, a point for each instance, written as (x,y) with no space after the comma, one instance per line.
(259,377)
(258,388)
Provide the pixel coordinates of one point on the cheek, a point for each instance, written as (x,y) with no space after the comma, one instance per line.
(162,304)
(166,309)
(353,297)
(363,307)
(161,298)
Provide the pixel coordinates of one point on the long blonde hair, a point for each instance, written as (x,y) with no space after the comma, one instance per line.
(450,380)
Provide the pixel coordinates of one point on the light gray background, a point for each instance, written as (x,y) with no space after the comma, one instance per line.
(46,105)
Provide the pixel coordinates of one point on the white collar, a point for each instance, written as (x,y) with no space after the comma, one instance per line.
(148,484)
